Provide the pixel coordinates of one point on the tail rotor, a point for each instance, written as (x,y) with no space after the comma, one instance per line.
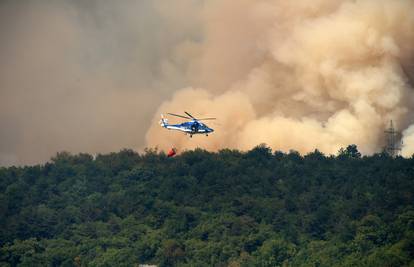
(163,121)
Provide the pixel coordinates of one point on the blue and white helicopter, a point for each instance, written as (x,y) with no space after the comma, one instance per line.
(189,127)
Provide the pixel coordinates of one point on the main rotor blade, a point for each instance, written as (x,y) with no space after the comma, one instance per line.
(205,119)
(179,116)
(189,115)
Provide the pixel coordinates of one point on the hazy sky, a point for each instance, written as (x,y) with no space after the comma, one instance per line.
(86,76)
(93,76)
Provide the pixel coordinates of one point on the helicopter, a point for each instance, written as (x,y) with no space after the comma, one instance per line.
(189,127)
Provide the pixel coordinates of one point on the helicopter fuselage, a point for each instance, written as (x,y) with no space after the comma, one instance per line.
(189,127)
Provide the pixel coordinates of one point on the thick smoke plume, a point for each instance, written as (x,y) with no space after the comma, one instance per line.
(91,76)
(298,75)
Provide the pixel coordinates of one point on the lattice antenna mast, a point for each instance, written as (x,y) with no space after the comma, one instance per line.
(393,145)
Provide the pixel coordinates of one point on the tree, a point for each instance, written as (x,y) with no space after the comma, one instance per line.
(171,253)
(204,208)
(351,151)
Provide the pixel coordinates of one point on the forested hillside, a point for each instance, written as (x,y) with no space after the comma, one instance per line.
(230,208)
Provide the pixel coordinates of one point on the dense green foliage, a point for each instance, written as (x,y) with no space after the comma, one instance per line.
(209,209)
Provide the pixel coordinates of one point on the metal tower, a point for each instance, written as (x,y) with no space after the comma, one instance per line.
(393,146)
